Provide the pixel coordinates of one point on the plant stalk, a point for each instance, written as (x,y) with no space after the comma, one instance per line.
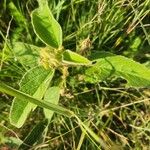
(16,93)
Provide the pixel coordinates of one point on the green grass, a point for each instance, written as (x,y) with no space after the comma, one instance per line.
(117,114)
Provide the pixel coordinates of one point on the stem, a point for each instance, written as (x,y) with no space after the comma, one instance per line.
(58,109)
(16,93)
(85,129)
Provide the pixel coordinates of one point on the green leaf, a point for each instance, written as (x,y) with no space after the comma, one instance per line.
(44,104)
(73,58)
(35,82)
(34,135)
(45,25)
(26,54)
(135,73)
(52,95)
(58,109)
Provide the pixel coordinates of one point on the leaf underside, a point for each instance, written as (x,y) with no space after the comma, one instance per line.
(26,54)
(34,82)
(52,95)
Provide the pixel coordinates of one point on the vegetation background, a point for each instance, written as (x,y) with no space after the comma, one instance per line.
(118,114)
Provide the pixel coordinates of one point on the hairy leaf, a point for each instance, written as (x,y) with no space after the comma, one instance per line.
(35,82)
(52,95)
(135,73)
(73,58)
(45,25)
(26,54)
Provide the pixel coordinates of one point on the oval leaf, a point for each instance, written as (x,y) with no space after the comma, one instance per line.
(52,95)
(45,26)
(26,54)
(73,58)
(35,82)
(135,73)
